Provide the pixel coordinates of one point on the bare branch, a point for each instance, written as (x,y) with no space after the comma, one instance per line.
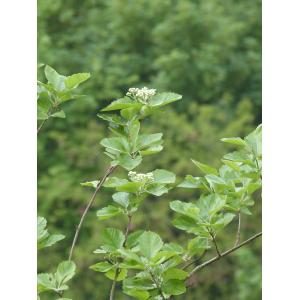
(197,260)
(91,201)
(224,253)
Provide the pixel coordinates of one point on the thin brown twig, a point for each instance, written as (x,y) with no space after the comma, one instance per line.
(40,127)
(238,234)
(225,253)
(128,228)
(91,201)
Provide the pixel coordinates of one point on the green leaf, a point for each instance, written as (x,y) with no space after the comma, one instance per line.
(51,240)
(74,80)
(174,273)
(186,223)
(224,220)
(112,119)
(156,189)
(162,256)
(111,274)
(132,239)
(113,239)
(122,103)
(215,182)
(233,165)
(119,144)
(108,212)
(134,128)
(190,182)
(93,184)
(252,187)
(113,182)
(197,246)
(205,168)
(45,282)
(174,287)
(129,255)
(254,141)
(59,114)
(162,99)
(129,163)
(211,204)
(137,283)
(188,209)
(102,266)
(238,156)
(173,247)
(44,239)
(148,140)
(151,150)
(122,198)
(164,176)
(235,141)
(65,271)
(130,112)
(42,113)
(130,187)
(149,244)
(140,295)
(246,211)
(54,78)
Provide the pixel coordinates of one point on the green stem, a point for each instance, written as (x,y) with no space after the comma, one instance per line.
(215,243)
(157,285)
(238,234)
(44,121)
(113,286)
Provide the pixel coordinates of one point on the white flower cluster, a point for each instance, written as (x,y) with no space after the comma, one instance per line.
(142,95)
(140,177)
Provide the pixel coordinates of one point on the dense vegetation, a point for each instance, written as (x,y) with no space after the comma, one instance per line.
(208,51)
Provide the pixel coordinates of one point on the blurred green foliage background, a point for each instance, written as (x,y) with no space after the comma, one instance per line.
(207,50)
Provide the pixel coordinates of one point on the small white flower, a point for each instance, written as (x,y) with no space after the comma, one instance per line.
(142,95)
(140,177)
